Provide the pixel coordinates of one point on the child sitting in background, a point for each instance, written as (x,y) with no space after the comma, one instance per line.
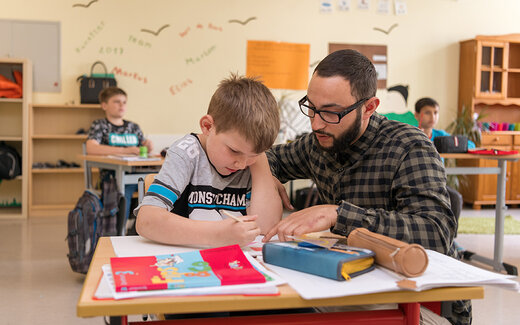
(114,135)
(221,171)
(427,114)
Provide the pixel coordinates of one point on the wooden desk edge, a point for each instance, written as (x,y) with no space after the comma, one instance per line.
(475,156)
(288,298)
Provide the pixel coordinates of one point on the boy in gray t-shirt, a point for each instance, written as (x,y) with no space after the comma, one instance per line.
(221,171)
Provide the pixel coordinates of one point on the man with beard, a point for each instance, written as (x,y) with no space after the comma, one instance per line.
(370,172)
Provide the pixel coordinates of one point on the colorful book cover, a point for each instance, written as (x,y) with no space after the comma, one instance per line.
(204,268)
(338,263)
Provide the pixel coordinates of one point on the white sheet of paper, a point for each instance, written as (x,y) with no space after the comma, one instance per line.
(127,246)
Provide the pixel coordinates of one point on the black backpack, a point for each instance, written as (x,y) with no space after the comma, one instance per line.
(90,219)
(10,162)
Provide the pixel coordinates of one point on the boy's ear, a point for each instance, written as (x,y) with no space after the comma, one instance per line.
(370,107)
(206,123)
(104,106)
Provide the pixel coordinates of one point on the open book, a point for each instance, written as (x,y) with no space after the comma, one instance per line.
(107,289)
(202,268)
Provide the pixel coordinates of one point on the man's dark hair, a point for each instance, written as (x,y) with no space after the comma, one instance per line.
(354,67)
(426,101)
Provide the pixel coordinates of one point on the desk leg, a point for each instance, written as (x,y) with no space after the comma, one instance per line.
(499,216)
(411,312)
(118,320)
(498,253)
(120,179)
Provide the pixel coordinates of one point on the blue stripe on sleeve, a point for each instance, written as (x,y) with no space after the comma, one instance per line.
(164,192)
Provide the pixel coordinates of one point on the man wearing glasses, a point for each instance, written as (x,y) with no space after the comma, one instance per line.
(370,172)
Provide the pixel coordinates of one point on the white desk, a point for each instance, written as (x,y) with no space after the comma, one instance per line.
(126,172)
(500,171)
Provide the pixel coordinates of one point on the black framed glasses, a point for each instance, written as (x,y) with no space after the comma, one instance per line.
(327,116)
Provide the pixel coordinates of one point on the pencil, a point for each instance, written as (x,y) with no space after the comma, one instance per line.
(232,216)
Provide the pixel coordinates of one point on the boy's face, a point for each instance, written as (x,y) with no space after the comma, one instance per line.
(115,107)
(228,151)
(428,117)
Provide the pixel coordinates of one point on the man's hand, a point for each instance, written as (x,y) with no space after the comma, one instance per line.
(283,194)
(315,218)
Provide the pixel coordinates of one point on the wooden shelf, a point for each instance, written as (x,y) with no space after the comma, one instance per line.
(11,213)
(48,210)
(57,170)
(81,106)
(10,138)
(60,137)
(14,128)
(11,100)
(494,101)
(55,191)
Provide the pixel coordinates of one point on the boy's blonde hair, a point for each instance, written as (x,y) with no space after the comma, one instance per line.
(247,106)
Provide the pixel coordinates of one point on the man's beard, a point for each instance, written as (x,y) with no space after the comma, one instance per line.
(345,139)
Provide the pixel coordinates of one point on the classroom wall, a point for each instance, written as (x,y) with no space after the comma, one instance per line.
(171,76)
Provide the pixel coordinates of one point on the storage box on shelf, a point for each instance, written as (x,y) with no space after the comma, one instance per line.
(56,181)
(489,83)
(14,131)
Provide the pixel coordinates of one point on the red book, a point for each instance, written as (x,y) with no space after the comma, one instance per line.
(492,152)
(204,268)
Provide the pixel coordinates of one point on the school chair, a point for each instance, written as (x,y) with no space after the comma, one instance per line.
(143,185)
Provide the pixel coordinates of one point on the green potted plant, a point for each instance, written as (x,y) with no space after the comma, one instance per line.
(464,124)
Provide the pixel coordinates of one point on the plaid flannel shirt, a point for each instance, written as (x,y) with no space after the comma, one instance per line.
(390,181)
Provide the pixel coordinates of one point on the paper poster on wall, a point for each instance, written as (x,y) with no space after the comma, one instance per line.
(279,65)
(380,70)
(344,5)
(400,7)
(383,6)
(375,53)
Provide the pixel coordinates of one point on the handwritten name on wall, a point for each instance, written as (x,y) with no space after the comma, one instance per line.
(175,89)
(200,26)
(93,33)
(204,54)
(134,40)
(133,75)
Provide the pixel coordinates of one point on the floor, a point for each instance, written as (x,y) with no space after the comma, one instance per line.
(35,274)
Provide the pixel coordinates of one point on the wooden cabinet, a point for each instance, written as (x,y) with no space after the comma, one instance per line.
(482,189)
(13,130)
(56,141)
(489,77)
(489,83)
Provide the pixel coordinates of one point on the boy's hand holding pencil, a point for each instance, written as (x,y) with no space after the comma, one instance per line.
(242,230)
